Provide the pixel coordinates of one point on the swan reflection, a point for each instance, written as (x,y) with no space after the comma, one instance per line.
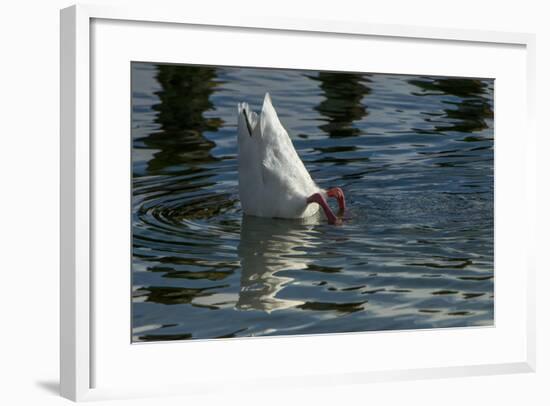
(267,247)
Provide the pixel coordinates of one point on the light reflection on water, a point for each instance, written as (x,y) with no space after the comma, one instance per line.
(414,155)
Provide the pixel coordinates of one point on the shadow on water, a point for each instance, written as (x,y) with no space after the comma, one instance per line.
(184,98)
(343,104)
(472,110)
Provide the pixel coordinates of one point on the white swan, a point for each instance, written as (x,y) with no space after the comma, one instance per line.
(273,181)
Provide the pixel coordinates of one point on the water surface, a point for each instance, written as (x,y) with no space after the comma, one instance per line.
(414,155)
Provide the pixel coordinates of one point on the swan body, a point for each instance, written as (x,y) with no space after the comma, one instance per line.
(273,181)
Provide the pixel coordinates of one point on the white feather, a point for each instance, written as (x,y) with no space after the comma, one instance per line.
(273,181)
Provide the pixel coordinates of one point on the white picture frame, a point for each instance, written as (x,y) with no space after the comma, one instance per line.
(77,249)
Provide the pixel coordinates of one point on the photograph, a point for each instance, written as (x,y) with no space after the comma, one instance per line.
(283,202)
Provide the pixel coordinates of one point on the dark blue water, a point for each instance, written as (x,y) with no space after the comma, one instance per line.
(414,155)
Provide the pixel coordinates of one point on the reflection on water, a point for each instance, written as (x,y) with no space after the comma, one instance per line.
(183,98)
(343,103)
(415,251)
(266,247)
(467,114)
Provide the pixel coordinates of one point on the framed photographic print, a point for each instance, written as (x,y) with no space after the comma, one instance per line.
(270,217)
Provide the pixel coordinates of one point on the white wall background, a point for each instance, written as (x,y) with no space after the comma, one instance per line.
(29,203)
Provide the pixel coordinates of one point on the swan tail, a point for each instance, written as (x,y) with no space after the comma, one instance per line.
(248,119)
